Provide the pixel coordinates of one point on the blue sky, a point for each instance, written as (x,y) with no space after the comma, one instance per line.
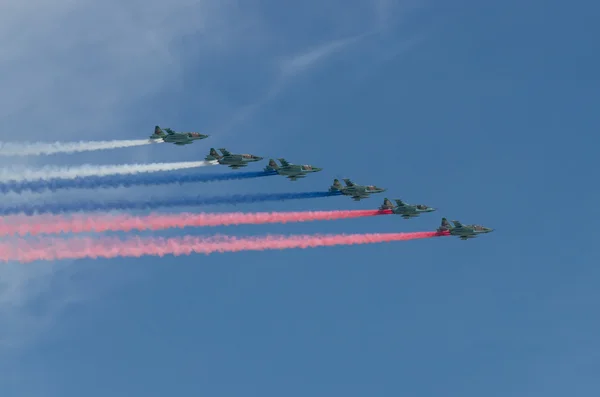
(485,110)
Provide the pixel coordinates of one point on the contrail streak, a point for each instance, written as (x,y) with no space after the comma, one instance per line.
(46,148)
(56,224)
(117,181)
(86,170)
(49,249)
(124,205)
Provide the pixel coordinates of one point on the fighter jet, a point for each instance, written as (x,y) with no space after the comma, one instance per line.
(178,138)
(464,232)
(289,170)
(234,161)
(357,192)
(406,210)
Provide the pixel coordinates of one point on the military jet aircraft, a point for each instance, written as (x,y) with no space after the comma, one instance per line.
(178,138)
(406,210)
(464,232)
(289,170)
(357,192)
(234,161)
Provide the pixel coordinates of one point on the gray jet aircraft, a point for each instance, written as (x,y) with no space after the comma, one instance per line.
(234,161)
(357,192)
(289,170)
(178,138)
(464,232)
(406,210)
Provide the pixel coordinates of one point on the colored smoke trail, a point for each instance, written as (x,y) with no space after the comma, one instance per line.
(56,224)
(48,172)
(48,249)
(117,181)
(124,205)
(46,148)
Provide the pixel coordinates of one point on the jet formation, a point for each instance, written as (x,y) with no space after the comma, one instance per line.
(296,171)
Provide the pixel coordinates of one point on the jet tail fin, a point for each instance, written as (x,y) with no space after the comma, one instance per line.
(212,155)
(444,226)
(272,166)
(387,204)
(158,131)
(337,186)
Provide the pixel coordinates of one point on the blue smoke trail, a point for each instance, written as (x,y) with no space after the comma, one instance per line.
(58,208)
(116,181)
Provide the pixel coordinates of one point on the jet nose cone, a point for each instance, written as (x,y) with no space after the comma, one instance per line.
(258,158)
(317,169)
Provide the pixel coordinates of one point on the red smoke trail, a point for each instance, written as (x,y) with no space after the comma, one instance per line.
(48,249)
(55,224)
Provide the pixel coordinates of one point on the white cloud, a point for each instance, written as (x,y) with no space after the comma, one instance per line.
(374,31)
(68,65)
(25,307)
(73,62)
(394,12)
(301,62)
(287,68)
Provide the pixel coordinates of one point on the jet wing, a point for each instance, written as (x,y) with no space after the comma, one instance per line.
(225,152)
(349,183)
(360,195)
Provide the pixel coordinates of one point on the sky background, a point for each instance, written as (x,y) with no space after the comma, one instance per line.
(485,110)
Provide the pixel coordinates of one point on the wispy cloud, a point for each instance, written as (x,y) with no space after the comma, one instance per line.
(288,67)
(375,32)
(71,70)
(31,298)
(87,58)
(389,13)
(299,63)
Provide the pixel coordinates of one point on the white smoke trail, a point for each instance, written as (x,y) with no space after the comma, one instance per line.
(44,148)
(49,172)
